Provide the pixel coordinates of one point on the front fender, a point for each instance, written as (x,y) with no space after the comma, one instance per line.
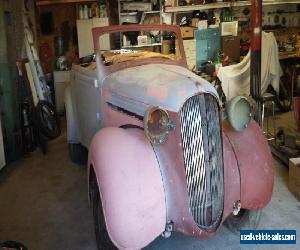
(130,186)
(255,164)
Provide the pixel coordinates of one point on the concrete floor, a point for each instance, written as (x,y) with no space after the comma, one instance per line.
(43,203)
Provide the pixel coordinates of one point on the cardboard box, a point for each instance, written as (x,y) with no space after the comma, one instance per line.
(142,40)
(202,25)
(229,28)
(294,177)
(195,22)
(231,47)
(187,32)
(136,6)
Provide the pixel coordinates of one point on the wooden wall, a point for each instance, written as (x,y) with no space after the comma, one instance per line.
(61,13)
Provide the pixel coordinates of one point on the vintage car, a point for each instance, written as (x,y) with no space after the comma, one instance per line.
(163,154)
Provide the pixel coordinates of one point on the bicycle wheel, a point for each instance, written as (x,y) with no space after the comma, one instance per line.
(284,99)
(47,119)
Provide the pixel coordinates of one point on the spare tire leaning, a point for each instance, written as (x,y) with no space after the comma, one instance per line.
(12,245)
(47,119)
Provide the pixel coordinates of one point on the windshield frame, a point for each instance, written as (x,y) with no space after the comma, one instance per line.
(99,31)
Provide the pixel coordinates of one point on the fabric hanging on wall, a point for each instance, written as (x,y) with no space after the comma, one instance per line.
(236,78)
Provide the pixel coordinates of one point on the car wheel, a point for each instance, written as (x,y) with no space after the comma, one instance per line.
(244,220)
(102,237)
(78,153)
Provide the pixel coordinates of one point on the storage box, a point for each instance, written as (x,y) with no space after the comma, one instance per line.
(190,52)
(229,28)
(294,177)
(195,22)
(202,25)
(166,47)
(142,40)
(136,6)
(187,32)
(231,47)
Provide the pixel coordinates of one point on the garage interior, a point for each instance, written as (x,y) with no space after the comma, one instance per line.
(44,195)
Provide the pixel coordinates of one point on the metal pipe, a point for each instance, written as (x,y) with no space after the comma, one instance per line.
(255,68)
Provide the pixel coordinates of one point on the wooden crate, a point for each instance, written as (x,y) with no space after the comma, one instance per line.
(187,32)
(294,177)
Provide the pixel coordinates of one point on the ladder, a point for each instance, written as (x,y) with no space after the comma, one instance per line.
(41,88)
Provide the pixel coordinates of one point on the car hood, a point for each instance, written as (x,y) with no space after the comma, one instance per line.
(167,86)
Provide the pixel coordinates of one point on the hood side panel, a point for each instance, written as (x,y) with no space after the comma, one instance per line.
(167,86)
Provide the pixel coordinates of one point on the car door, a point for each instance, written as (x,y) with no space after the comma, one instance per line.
(87,98)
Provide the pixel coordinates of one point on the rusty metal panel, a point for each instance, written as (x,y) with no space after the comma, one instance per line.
(255,164)
(171,161)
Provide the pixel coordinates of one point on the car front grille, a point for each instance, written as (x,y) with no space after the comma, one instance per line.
(203,158)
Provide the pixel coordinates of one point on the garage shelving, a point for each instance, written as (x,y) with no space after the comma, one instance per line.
(123,14)
(189,8)
(52,2)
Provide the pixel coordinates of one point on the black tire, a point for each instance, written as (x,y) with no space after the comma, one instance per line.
(102,238)
(245,220)
(78,153)
(12,245)
(48,120)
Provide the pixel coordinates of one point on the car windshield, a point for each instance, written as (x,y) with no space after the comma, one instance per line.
(121,47)
(117,56)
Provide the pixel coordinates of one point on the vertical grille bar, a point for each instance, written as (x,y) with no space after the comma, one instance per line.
(203,158)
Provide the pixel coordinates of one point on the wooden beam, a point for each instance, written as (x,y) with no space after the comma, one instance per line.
(255,63)
(49,2)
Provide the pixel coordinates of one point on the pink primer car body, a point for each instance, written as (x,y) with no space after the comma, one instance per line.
(162,157)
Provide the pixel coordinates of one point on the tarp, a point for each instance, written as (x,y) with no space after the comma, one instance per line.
(236,78)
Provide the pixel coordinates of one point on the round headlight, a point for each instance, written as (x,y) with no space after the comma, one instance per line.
(157,125)
(239,112)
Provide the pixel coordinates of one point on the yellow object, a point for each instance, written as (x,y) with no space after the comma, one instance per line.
(187,32)
(166,47)
(117,58)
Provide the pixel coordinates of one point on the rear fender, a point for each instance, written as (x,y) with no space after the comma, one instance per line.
(130,186)
(255,164)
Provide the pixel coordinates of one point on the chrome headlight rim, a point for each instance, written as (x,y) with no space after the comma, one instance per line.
(157,138)
(239,112)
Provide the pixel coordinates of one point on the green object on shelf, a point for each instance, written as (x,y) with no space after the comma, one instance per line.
(227,15)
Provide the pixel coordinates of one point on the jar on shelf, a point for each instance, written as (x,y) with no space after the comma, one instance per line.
(81,12)
(102,9)
(86,12)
